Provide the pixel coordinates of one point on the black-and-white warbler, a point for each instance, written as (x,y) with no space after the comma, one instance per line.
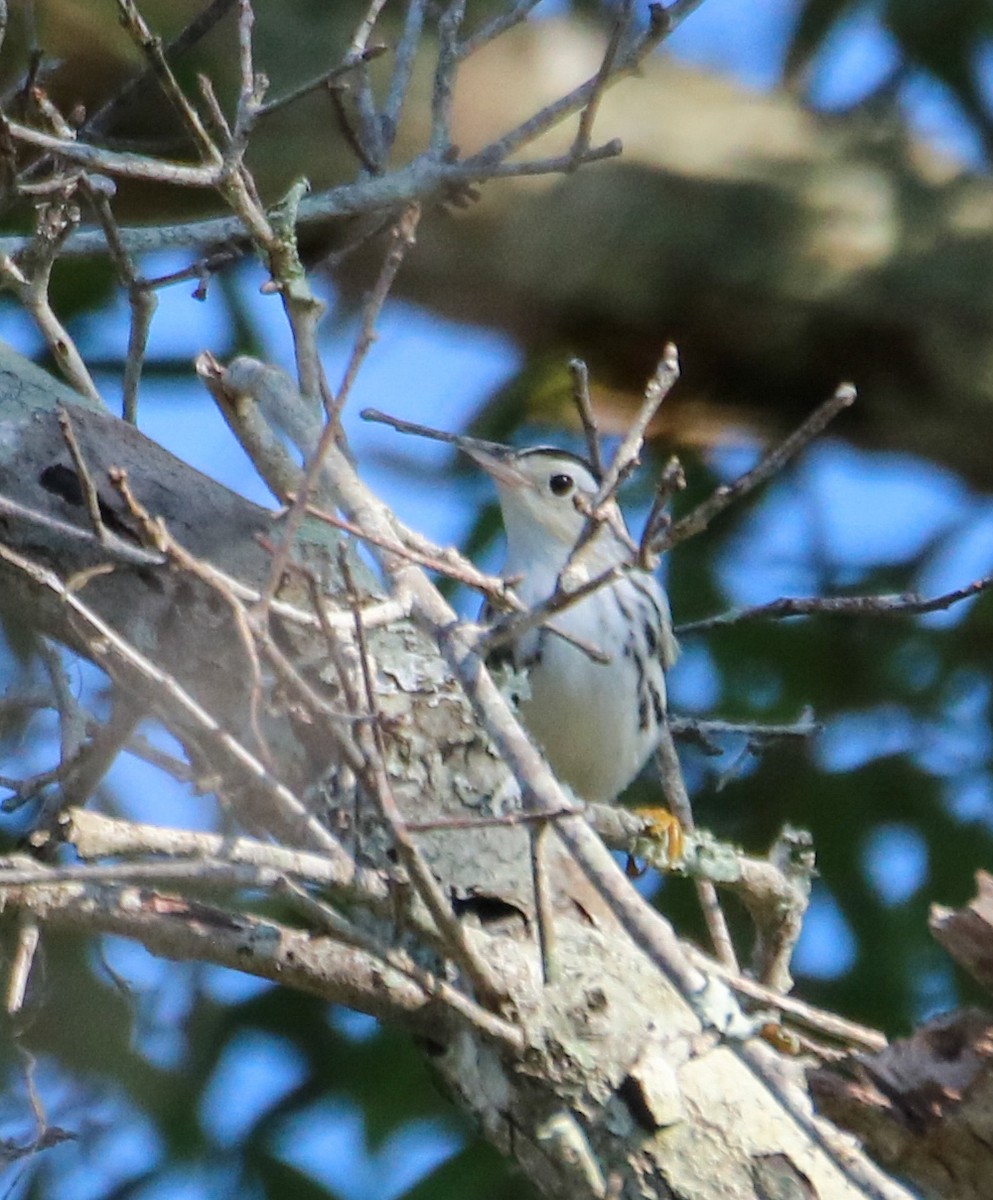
(596,721)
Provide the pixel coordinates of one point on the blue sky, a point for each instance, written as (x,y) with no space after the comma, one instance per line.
(455,368)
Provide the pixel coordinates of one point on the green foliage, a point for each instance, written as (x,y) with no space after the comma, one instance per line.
(103,1041)
(942,40)
(862,678)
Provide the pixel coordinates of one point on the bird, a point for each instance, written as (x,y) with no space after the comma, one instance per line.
(597,721)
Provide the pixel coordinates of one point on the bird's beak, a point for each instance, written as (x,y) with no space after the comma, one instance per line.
(496,460)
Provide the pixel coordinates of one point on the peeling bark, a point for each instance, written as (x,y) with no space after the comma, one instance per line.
(622,1088)
(924,1105)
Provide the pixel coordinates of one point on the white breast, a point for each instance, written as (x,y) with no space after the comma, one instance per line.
(597,723)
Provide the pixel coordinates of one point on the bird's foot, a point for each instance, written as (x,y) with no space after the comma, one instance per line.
(662,828)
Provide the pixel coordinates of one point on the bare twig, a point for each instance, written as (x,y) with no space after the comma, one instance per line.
(419,179)
(23,790)
(497,25)
(778,925)
(707,999)
(265,871)
(321,81)
(158,535)
(513,628)
(229,389)
(333,645)
(240,406)
(82,775)
(446,561)
(141,297)
(151,46)
(370,140)
(446,69)
(377,613)
(671,481)
(677,12)
(214,110)
(140,747)
(114,548)
(404,55)
(195,931)
(775,889)
(603,509)
(204,872)
(284,811)
(580,375)
(128,166)
(696,521)
(97,836)
(903,605)
(337,93)
(412,427)
(543,907)
(348,932)
(487,987)
(554,165)
(404,235)
(28,937)
(626,60)
(507,820)
(198,28)
(250,94)
(695,729)
(86,484)
(678,800)
(87,747)
(584,133)
(806,1015)
(30,277)
(313,439)
(628,452)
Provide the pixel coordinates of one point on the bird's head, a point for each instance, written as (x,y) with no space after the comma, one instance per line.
(543,494)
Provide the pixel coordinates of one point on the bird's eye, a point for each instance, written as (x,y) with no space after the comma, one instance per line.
(561,485)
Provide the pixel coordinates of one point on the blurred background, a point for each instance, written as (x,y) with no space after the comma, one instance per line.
(804,198)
